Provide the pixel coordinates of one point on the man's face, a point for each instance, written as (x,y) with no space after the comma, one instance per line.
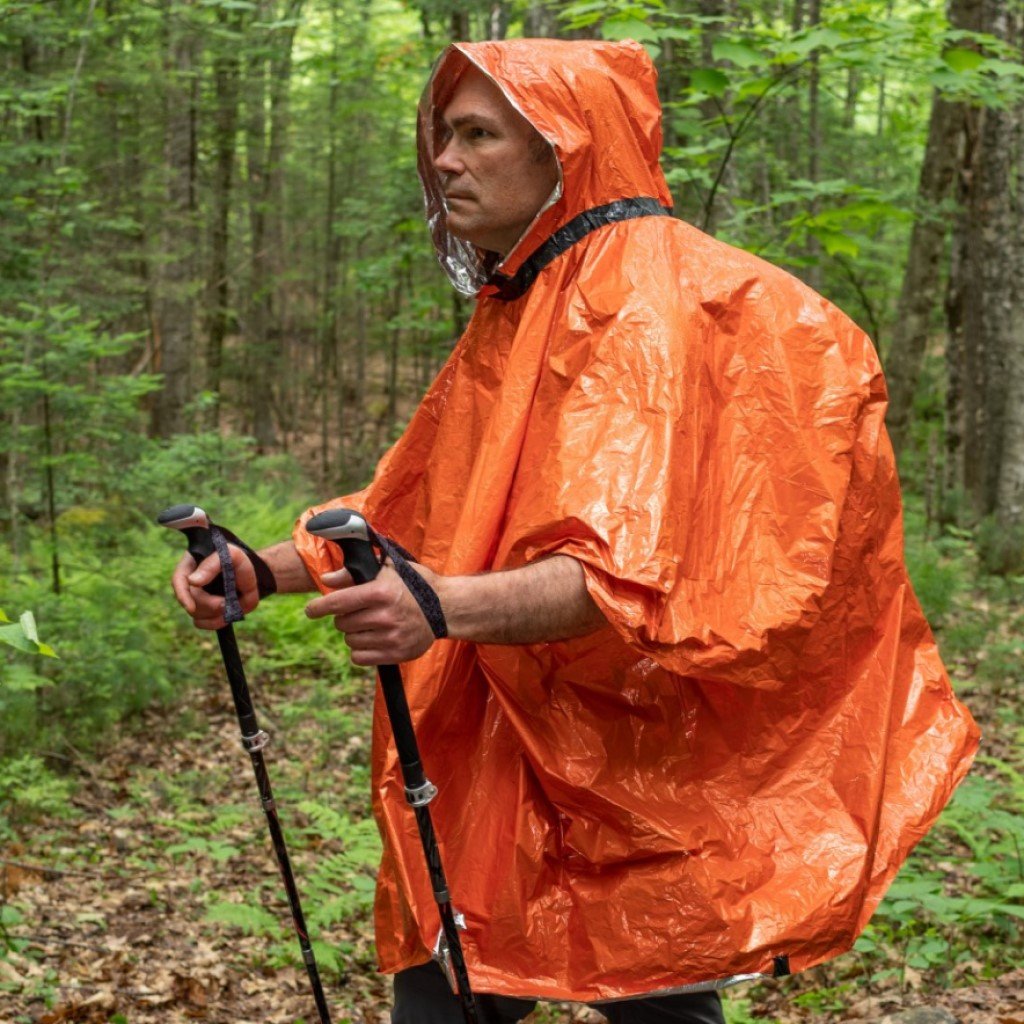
(496,170)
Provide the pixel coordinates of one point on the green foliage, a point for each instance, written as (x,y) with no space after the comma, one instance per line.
(1001,546)
(249,918)
(23,635)
(342,884)
(961,898)
(739,1010)
(940,572)
(29,790)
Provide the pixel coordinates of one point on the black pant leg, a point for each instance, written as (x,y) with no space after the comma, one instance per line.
(689,1008)
(422,996)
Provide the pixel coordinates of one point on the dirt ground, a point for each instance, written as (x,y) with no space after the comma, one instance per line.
(116,930)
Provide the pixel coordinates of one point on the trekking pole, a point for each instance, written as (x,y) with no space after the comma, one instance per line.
(195,524)
(355,538)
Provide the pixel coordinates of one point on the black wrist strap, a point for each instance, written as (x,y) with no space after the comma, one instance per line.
(426,596)
(265,582)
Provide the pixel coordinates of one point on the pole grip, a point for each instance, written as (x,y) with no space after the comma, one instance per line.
(353,535)
(360,560)
(194,523)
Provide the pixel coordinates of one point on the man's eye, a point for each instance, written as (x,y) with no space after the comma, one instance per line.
(475,134)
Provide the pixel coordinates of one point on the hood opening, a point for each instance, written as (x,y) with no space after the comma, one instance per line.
(468,266)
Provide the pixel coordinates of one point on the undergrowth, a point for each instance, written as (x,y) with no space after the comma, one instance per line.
(953,916)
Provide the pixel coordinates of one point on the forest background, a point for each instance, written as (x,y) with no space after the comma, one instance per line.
(216,286)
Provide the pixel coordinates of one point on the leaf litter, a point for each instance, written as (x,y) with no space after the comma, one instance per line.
(159,901)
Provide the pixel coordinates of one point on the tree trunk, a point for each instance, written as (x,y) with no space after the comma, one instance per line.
(948,150)
(258,311)
(174,283)
(1009,509)
(328,371)
(923,269)
(814,251)
(989,307)
(225,78)
(279,400)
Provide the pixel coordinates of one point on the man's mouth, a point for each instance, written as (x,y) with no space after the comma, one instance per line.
(456,195)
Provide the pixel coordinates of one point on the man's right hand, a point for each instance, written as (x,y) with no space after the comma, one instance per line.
(207,610)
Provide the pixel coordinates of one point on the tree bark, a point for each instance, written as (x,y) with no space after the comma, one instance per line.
(814,252)
(923,269)
(1009,509)
(258,306)
(225,77)
(989,307)
(175,274)
(947,149)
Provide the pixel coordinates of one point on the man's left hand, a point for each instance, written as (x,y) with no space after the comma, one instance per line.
(382,623)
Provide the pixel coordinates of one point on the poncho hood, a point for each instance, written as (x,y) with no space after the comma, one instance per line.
(724,780)
(595,103)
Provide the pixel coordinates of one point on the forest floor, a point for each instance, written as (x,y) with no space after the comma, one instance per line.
(155,899)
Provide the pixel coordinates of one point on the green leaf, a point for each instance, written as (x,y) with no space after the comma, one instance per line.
(755,87)
(23,636)
(740,54)
(836,243)
(961,60)
(628,28)
(709,80)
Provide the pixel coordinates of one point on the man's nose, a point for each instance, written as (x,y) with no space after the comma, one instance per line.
(447,161)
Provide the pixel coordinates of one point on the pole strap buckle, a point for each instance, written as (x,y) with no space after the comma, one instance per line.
(255,741)
(420,796)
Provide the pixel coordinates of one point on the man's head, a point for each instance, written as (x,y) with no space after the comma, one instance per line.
(496,169)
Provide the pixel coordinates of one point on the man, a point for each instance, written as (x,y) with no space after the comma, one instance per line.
(689,719)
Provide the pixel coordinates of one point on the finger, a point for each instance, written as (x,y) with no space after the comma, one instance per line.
(367,648)
(370,658)
(205,604)
(362,621)
(207,570)
(180,584)
(337,579)
(209,622)
(337,602)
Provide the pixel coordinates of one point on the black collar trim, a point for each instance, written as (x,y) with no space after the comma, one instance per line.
(514,287)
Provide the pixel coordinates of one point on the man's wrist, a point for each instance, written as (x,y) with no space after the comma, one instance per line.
(288,568)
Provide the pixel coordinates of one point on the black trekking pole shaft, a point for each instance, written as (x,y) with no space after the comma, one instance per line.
(253,739)
(200,545)
(415,780)
(350,532)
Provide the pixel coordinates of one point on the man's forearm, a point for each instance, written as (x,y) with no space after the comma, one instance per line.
(537,603)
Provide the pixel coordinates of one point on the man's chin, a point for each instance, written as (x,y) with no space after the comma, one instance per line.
(465,232)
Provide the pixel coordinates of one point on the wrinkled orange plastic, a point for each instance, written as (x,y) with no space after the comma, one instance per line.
(735,767)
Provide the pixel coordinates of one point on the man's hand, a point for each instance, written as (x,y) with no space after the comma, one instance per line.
(538,603)
(207,611)
(382,623)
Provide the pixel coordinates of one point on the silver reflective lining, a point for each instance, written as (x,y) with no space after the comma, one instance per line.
(701,986)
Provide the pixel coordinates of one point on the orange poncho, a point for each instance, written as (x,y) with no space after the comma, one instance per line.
(734,768)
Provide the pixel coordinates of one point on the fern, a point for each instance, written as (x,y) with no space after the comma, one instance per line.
(252,920)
